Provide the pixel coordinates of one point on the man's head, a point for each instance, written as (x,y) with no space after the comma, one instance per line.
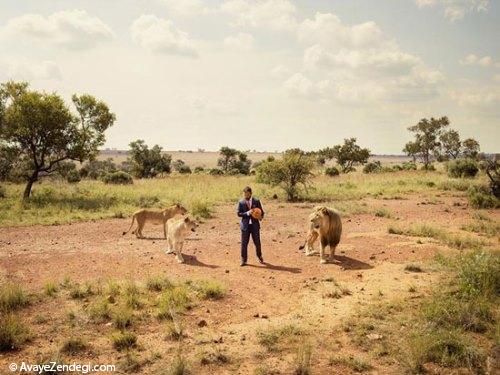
(247,192)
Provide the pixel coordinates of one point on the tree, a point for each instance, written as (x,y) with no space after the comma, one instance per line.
(233,161)
(427,133)
(228,155)
(450,144)
(147,163)
(96,169)
(45,132)
(181,167)
(470,148)
(412,149)
(347,155)
(292,170)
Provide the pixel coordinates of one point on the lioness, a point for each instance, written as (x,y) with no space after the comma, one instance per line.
(324,223)
(158,217)
(178,230)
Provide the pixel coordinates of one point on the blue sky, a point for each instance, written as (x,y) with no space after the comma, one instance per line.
(265,74)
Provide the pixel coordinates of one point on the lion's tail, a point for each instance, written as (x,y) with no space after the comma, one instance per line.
(301,247)
(131,225)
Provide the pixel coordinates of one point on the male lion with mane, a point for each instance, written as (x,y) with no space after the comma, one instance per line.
(154,216)
(324,223)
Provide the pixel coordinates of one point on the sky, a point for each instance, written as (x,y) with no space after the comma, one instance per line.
(264,74)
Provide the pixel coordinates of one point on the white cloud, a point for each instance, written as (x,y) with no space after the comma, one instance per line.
(25,71)
(328,30)
(476,96)
(272,14)
(358,63)
(186,8)
(455,10)
(241,41)
(72,29)
(280,71)
(473,60)
(160,35)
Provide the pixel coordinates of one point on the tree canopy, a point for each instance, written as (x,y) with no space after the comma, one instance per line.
(148,162)
(44,132)
(347,154)
(290,172)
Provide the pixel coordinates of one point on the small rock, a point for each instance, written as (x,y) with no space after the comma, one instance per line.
(256,315)
(264,316)
(374,336)
(202,323)
(227,271)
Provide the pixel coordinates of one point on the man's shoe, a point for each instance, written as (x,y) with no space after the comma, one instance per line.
(242,264)
(261,260)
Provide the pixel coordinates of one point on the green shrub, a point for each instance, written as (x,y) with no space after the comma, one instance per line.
(201,209)
(73,177)
(397,167)
(199,170)
(467,168)
(409,166)
(332,171)
(216,172)
(429,167)
(119,178)
(372,167)
(481,197)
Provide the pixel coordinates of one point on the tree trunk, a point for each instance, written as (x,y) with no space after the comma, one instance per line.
(29,185)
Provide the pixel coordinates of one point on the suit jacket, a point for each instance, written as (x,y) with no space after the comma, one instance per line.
(242,212)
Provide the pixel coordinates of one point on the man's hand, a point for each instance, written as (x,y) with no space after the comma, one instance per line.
(250,212)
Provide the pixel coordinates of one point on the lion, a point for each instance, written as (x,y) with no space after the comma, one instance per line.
(178,230)
(158,217)
(325,223)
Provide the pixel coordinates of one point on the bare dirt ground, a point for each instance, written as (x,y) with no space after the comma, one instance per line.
(289,289)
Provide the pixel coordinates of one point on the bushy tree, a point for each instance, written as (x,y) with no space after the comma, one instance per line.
(233,161)
(470,148)
(347,155)
(467,168)
(118,178)
(427,133)
(332,171)
(372,167)
(148,163)
(45,132)
(181,167)
(412,149)
(450,144)
(96,169)
(292,171)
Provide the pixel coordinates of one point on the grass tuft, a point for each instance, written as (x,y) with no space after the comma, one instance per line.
(123,340)
(210,289)
(12,297)
(73,346)
(13,333)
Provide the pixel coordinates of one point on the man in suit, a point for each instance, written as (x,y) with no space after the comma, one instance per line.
(249,225)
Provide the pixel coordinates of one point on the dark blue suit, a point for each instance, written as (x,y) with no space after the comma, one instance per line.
(249,229)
